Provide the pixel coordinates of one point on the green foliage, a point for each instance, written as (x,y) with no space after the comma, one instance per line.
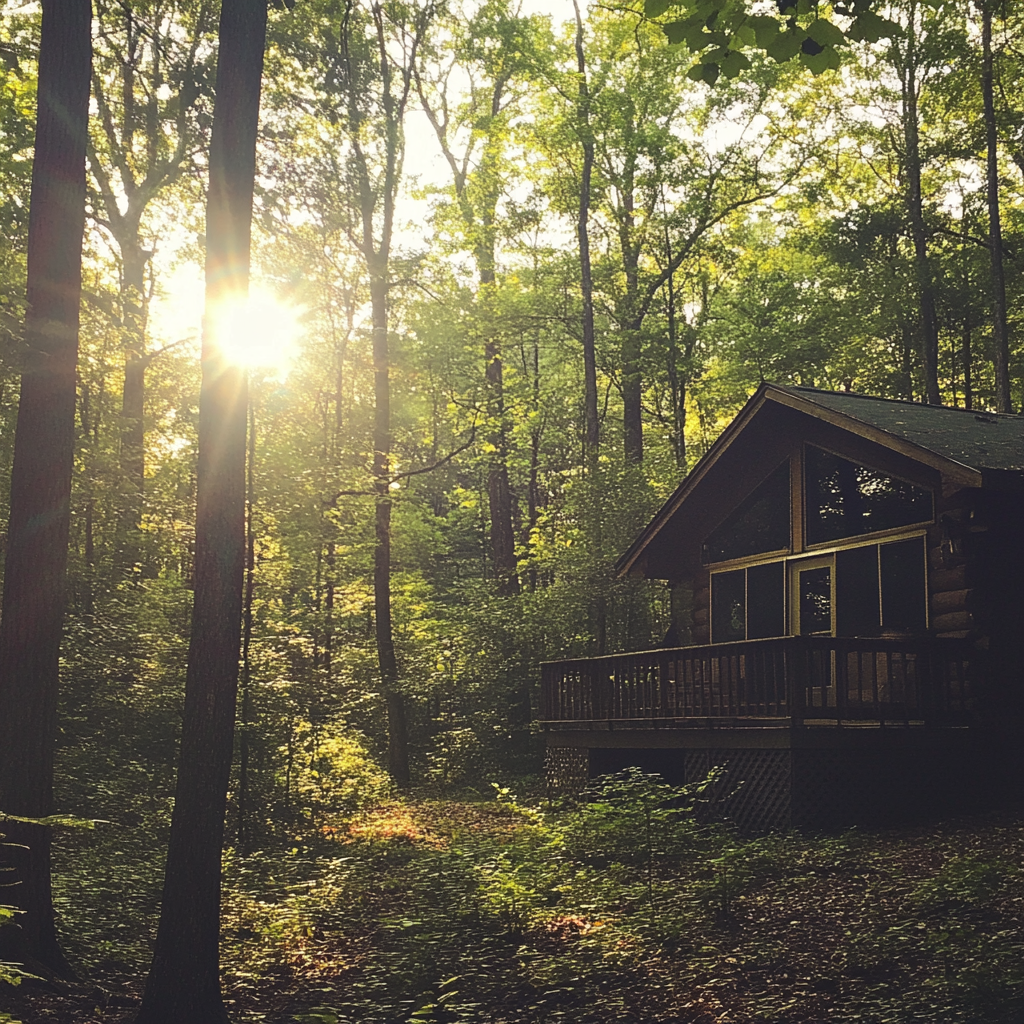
(718,31)
(445,911)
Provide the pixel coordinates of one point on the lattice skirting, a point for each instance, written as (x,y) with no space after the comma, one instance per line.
(755,794)
(566,769)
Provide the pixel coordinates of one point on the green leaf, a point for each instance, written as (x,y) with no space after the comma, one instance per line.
(696,73)
(711,71)
(656,8)
(688,32)
(765,29)
(825,33)
(745,36)
(827,60)
(870,27)
(785,45)
(733,63)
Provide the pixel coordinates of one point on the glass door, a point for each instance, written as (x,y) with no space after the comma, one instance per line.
(812,613)
(812,588)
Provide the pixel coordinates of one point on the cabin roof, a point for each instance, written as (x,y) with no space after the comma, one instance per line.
(980,440)
(965,446)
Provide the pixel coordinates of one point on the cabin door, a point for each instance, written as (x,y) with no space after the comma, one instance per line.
(813,596)
(813,613)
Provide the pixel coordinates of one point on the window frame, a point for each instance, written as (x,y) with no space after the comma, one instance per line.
(742,561)
(751,563)
(791,562)
(844,542)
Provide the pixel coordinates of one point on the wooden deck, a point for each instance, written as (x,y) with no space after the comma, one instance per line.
(790,681)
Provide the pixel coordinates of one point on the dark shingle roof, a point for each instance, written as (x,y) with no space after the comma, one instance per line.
(977,440)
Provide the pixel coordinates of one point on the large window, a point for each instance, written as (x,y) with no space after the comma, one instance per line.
(748,604)
(881,589)
(873,589)
(760,524)
(846,500)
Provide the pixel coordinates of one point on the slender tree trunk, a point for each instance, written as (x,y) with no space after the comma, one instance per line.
(592,434)
(1000,333)
(632,384)
(398,738)
(37,540)
(478,222)
(906,360)
(922,265)
(499,492)
(184,981)
(677,380)
(133,393)
(89,542)
(965,358)
(244,837)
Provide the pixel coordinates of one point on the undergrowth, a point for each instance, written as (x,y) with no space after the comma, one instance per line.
(621,907)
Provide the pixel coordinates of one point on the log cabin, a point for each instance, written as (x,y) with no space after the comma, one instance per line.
(848,619)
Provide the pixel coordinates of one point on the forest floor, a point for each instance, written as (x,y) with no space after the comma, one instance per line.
(442,911)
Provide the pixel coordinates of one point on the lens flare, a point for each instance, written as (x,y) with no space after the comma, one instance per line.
(260,333)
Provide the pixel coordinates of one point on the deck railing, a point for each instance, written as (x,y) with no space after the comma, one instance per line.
(801,679)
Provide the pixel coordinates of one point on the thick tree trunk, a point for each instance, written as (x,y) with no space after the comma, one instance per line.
(37,540)
(922,265)
(1000,333)
(184,981)
(592,433)
(398,738)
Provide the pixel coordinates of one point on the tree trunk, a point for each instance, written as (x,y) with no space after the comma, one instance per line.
(965,359)
(244,837)
(398,739)
(499,493)
(632,420)
(632,324)
(1000,333)
(133,398)
(133,393)
(37,546)
(184,981)
(922,266)
(592,435)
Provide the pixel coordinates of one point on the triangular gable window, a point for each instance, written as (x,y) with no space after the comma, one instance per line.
(848,500)
(760,524)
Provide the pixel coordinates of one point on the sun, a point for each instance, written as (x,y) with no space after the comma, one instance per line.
(260,333)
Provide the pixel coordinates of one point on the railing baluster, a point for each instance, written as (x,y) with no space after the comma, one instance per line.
(888,680)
